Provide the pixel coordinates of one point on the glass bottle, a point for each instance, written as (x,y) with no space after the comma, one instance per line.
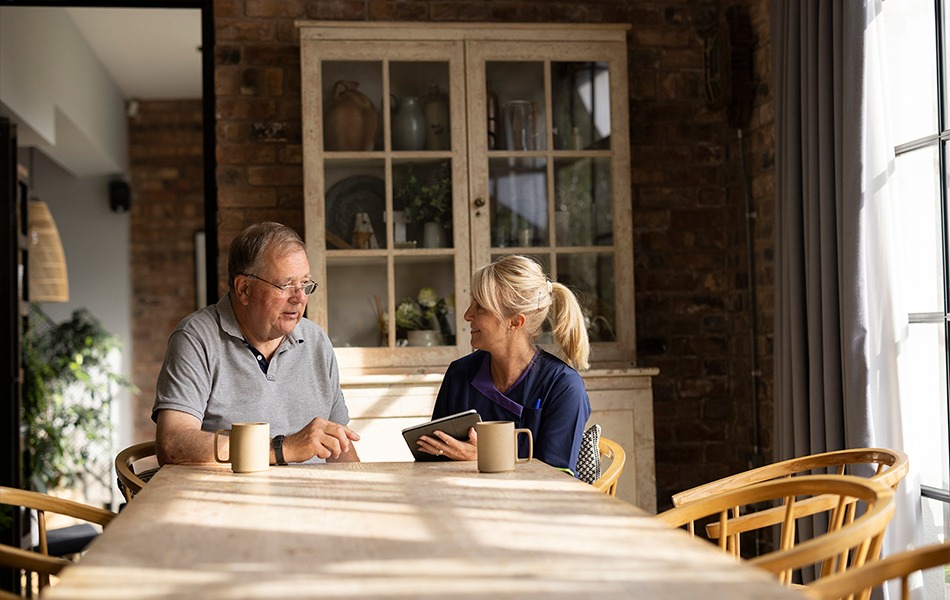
(492,101)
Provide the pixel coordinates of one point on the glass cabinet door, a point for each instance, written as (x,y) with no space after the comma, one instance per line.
(385,170)
(550,176)
(432,151)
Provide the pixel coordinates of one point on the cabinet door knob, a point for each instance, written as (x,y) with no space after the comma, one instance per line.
(479,202)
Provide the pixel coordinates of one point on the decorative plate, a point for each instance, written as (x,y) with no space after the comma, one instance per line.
(356,194)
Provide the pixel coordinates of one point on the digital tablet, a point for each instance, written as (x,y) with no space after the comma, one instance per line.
(456,425)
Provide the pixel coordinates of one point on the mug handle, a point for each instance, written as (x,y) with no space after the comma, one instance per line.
(530,445)
(216,457)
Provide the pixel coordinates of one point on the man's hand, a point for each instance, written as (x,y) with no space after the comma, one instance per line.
(324,439)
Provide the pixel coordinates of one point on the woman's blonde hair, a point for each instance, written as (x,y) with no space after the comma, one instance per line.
(514,285)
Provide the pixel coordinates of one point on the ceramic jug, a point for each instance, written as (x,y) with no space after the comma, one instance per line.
(351,119)
(437,120)
(408,124)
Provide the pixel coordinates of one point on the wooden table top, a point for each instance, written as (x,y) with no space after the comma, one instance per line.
(396,530)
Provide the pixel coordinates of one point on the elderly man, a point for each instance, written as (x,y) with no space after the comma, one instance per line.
(252,357)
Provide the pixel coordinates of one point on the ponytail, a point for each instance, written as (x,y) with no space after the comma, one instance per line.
(568,329)
(515,285)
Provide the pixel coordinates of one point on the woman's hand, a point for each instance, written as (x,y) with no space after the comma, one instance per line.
(443,444)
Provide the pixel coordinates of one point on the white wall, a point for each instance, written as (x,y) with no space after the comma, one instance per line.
(96,244)
(59,94)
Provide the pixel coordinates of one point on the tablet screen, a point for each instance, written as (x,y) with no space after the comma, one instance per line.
(456,425)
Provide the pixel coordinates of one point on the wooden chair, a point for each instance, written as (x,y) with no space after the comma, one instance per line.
(607,482)
(40,561)
(851,532)
(890,467)
(130,483)
(858,583)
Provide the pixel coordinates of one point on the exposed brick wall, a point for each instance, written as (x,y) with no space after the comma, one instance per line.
(167,185)
(692,306)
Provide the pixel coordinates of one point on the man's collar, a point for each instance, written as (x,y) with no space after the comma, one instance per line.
(229,322)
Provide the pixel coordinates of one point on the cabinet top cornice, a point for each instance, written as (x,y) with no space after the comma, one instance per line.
(403,31)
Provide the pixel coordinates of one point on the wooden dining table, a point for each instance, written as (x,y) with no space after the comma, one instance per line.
(396,530)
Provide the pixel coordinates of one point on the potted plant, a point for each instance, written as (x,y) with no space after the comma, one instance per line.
(423,318)
(427,201)
(67,393)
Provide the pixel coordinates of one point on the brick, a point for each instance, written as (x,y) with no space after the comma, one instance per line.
(164,143)
(338,10)
(230,197)
(245,154)
(228,8)
(244,108)
(275,176)
(292,9)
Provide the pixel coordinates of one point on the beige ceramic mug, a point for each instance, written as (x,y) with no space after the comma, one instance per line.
(249,447)
(498,448)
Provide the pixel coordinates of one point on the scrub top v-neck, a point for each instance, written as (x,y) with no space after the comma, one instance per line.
(549,399)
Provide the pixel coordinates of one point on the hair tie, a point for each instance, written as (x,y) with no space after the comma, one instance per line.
(550,286)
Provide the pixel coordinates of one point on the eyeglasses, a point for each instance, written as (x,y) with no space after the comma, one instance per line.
(288,289)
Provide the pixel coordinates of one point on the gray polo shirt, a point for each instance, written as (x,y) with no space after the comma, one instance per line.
(210,373)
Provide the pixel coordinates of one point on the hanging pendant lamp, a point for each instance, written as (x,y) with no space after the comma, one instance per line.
(48,279)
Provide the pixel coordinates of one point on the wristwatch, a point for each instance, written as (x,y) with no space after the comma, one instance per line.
(278,445)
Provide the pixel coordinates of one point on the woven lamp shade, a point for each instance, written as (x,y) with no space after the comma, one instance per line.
(48,279)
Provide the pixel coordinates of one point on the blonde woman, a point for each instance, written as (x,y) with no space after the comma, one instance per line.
(509,377)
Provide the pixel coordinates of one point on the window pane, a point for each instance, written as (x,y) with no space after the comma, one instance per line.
(925,406)
(912,69)
(934,531)
(920,266)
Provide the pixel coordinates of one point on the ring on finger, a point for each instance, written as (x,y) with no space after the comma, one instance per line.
(440,453)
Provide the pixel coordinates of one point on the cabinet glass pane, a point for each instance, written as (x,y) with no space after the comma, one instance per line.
(352,100)
(422,201)
(419,102)
(425,301)
(353,286)
(583,201)
(581,105)
(591,277)
(516,97)
(519,202)
(355,205)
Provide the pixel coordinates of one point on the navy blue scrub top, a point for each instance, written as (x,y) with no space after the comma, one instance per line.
(549,399)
